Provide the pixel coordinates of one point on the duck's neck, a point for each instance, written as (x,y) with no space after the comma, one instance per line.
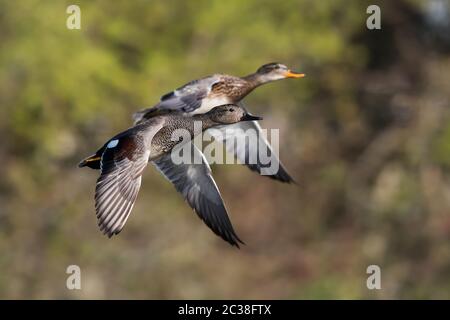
(254,80)
(205,121)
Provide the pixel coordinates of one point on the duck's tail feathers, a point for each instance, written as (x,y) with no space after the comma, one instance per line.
(142,114)
(92,162)
(148,113)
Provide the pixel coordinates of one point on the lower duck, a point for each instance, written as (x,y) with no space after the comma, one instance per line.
(123,158)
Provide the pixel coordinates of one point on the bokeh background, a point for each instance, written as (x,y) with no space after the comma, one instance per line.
(366,134)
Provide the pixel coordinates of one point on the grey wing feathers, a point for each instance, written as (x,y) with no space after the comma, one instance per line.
(186,98)
(117,189)
(195,183)
(247,152)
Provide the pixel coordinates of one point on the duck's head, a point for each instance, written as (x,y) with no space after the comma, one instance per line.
(229,114)
(276,71)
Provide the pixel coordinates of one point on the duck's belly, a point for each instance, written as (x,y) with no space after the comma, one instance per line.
(209,103)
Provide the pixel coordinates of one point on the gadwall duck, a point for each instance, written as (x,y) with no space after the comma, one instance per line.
(123,158)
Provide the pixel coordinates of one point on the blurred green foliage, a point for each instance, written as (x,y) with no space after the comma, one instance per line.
(366,134)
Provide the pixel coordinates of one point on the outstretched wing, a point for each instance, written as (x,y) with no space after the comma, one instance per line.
(195,183)
(247,150)
(122,164)
(185,99)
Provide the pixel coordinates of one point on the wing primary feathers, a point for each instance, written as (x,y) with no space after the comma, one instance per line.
(195,183)
(122,163)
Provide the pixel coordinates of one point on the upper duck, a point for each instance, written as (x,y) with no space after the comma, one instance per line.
(123,158)
(200,96)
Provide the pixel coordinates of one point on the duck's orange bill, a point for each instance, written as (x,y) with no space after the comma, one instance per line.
(291,74)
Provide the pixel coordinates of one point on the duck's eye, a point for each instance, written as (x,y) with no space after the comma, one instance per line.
(231,110)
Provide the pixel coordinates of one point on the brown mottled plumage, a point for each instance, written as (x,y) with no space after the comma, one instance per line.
(234,88)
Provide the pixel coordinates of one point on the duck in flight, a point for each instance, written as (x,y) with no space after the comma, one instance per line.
(123,158)
(200,96)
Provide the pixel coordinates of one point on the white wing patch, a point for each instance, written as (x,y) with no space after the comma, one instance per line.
(112,144)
